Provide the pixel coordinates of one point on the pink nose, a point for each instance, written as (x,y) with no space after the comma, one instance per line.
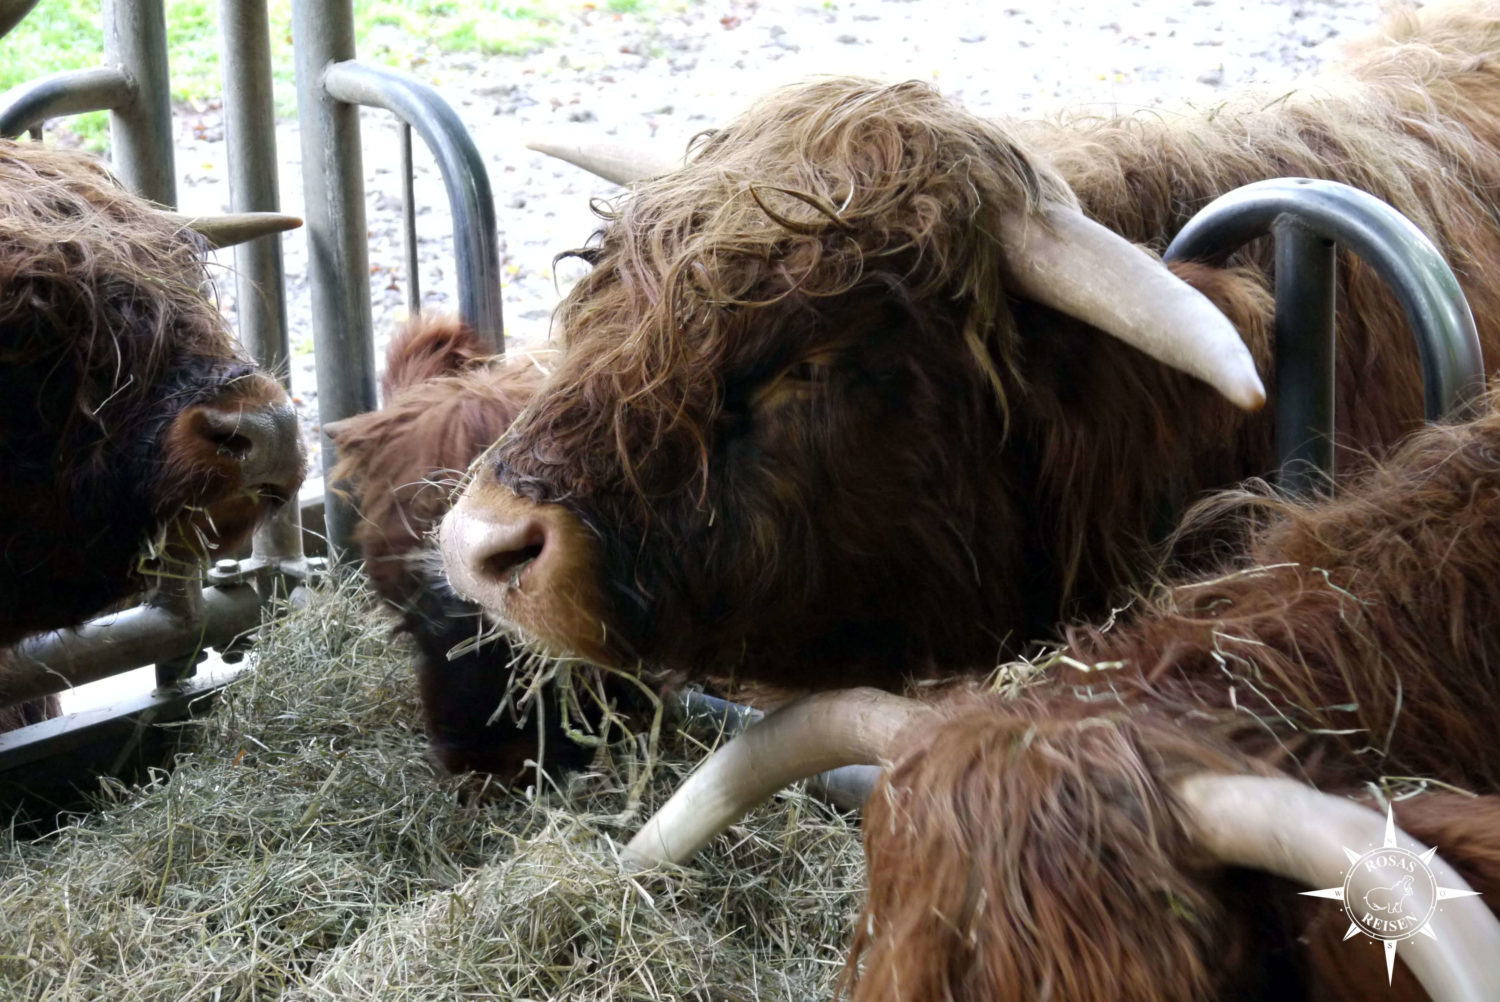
(489,555)
(486,559)
(532,566)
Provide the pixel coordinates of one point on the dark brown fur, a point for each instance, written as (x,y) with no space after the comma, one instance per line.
(445,401)
(108,347)
(1030,847)
(817,444)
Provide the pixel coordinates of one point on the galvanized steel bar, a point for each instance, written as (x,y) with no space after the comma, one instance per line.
(250,139)
(1447,342)
(135,41)
(475,242)
(72,92)
(150,633)
(338,261)
(182,600)
(1452,363)
(1305,285)
(409,223)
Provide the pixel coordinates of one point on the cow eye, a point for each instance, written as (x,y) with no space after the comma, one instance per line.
(809,372)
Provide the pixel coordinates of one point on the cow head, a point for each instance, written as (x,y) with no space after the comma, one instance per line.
(784,429)
(135,437)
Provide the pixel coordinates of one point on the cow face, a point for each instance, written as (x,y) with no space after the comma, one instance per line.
(135,438)
(772,435)
(798,498)
(785,429)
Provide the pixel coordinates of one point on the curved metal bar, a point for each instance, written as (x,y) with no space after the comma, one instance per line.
(71,92)
(1452,363)
(12,12)
(464,175)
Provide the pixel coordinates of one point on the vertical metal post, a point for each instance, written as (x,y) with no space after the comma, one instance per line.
(338,261)
(1305,283)
(250,138)
(409,223)
(182,600)
(135,40)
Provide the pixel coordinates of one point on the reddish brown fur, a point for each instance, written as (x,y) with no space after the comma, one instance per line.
(809,429)
(1354,639)
(445,402)
(111,358)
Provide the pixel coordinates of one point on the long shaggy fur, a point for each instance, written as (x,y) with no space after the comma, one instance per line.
(1030,847)
(808,427)
(445,401)
(107,343)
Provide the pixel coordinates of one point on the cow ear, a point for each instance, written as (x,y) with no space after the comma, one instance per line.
(339,430)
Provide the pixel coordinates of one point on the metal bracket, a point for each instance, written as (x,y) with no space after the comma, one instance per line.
(1307,218)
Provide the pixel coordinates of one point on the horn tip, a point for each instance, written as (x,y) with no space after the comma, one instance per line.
(1245,391)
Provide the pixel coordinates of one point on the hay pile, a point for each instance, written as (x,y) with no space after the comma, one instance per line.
(307,851)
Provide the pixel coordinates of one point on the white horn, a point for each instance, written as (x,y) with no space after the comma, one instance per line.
(615,162)
(1289,829)
(807,736)
(235,227)
(1276,825)
(1062,259)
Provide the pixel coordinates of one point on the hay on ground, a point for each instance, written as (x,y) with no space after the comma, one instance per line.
(307,850)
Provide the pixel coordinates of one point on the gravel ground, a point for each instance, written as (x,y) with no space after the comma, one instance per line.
(661,77)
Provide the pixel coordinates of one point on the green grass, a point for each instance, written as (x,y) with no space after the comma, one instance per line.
(65,35)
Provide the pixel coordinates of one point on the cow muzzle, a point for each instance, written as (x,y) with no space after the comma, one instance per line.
(531,566)
(227,463)
(249,435)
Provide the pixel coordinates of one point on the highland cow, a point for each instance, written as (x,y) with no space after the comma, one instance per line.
(445,401)
(1043,842)
(136,439)
(862,392)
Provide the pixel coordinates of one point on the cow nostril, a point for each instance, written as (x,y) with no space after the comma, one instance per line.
(229,443)
(506,561)
(507,567)
(264,442)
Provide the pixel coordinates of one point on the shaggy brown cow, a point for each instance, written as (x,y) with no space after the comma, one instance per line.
(1037,844)
(445,401)
(135,437)
(835,406)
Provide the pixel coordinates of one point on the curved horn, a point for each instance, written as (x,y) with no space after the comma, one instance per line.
(1062,259)
(805,737)
(235,227)
(1289,829)
(615,162)
(1277,825)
